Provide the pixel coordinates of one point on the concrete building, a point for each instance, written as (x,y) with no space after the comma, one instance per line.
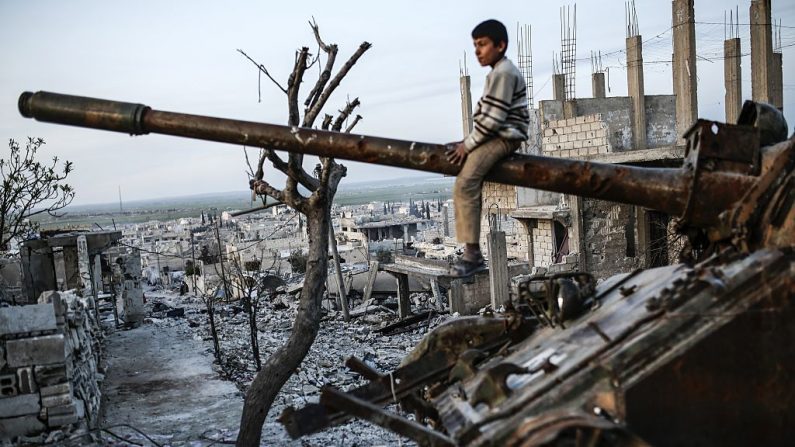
(559,232)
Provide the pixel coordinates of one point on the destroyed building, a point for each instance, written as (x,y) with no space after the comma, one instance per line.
(50,341)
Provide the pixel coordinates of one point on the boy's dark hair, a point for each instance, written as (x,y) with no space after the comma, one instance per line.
(494,30)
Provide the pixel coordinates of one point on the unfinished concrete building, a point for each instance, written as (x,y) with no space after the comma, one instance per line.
(564,232)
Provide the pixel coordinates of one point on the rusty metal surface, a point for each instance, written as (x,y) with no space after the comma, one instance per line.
(673,310)
(663,189)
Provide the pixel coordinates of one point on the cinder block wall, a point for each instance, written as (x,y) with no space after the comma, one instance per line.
(576,137)
(610,237)
(48,365)
(505,199)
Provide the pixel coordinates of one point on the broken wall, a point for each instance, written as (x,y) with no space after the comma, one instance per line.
(610,237)
(660,121)
(11,290)
(49,354)
(616,115)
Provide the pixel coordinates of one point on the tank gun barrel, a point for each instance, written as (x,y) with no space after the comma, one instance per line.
(664,189)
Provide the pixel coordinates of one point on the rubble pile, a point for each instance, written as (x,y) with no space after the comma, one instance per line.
(49,355)
(324,364)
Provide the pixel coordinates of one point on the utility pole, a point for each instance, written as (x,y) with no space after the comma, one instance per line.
(221,260)
(193,259)
(343,302)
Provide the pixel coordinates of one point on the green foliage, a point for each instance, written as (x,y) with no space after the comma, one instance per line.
(30,188)
(297,260)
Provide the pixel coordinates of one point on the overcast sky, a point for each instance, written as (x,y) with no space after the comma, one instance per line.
(181,56)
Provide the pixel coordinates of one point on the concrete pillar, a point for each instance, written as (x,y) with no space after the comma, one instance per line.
(84,265)
(777,82)
(466,105)
(437,293)
(684,65)
(598,85)
(559,87)
(732,79)
(71,270)
(577,232)
(97,267)
(371,275)
(761,51)
(446,220)
(38,271)
(636,90)
(498,269)
(404,303)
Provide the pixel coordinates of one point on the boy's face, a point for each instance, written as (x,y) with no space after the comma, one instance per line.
(486,52)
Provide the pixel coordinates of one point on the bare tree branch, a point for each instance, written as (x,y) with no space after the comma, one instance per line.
(263,70)
(344,113)
(326,122)
(353,124)
(314,111)
(325,75)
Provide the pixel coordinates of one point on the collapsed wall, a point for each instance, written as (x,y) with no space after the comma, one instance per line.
(49,373)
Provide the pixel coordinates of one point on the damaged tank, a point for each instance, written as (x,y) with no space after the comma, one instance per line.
(697,353)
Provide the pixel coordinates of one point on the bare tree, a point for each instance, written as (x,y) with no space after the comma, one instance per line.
(246,281)
(322,184)
(30,187)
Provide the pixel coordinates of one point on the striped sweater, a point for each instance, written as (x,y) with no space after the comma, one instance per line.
(502,110)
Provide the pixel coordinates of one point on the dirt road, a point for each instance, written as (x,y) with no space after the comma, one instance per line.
(160,380)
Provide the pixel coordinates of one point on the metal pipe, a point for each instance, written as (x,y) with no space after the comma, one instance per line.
(664,189)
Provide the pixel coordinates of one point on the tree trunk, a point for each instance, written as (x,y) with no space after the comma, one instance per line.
(213,331)
(252,324)
(280,366)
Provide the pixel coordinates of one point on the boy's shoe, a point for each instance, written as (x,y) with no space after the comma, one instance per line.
(464,267)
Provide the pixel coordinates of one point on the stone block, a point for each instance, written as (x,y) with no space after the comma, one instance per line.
(578,144)
(590,118)
(548,132)
(576,128)
(593,150)
(603,150)
(35,351)
(52,390)
(20,426)
(61,410)
(19,405)
(580,120)
(27,384)
(568,145)
(57,400)
(582,135)
(8,385)
(594,126)
(554,139)
(61,420)
(47,375)
(25,319)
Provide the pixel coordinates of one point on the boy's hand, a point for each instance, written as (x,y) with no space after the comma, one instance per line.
(457,153)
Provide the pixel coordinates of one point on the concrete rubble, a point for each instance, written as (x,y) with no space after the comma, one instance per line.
(324,364)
